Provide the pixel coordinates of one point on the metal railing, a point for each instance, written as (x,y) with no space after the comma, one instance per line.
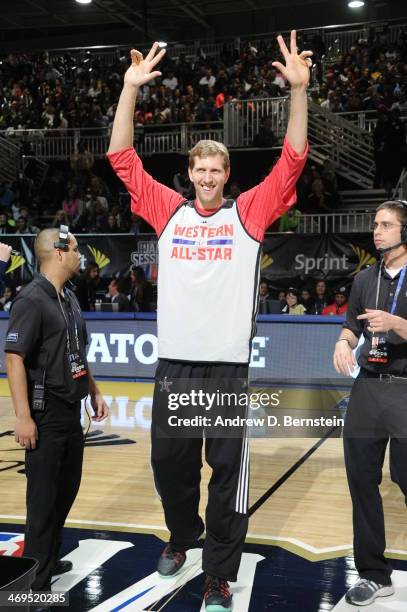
(336,222)
(349,148)
(340,41)
(61,144)
(400,190)
(9,159)
(331,136)
(244,118)
(336,41)
(364,120)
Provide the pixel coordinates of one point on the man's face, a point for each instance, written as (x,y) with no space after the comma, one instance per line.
(209,177)
(320,288)
(112,288)
(72,258)
(386,229)
(21,225)
(3,219)
(263,289)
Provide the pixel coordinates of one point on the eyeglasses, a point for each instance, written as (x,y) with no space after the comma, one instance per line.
(385,225)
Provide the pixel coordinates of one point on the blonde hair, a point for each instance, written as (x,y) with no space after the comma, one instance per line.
(206,148)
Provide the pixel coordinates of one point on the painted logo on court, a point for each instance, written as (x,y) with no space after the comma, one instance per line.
(11,544)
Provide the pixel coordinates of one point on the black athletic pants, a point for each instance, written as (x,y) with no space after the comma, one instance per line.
(376,415)
(177,466)
(53,471)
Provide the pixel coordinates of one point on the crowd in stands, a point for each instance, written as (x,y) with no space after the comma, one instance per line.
(75,197)
(314,299)
(131,292)
(63,91)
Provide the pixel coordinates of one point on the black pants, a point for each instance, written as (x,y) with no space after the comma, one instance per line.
(53,472)
(177,466)
(376,415)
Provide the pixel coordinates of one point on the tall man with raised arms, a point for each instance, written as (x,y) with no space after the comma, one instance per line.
(209,264)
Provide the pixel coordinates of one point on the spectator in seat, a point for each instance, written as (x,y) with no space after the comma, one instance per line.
(98,187)
(171,81)
(207,83)
(23,227)
(97,217)
(321,299)
(72,206)
(340,305)
(290,220)
(60,219)
(86,286)
(81,163)
(7,195)
(265,136)
(112,226)
(5,227)
(8,297)
(141,292)
(318,196)
(115,295)
(329,177)
(293,306)
(264,297)
(401,105)
(307,301)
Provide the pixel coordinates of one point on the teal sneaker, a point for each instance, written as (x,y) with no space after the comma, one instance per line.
(217,596)
(170,562)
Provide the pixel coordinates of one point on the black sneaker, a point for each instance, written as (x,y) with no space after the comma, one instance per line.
(217,596)
(170,562)
(61,567)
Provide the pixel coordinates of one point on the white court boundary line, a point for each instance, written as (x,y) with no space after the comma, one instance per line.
(254,536)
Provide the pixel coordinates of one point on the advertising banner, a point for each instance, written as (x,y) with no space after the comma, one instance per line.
(284,348)
(286,258)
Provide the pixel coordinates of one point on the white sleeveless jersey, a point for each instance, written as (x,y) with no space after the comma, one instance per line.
(208,276)
(208,264)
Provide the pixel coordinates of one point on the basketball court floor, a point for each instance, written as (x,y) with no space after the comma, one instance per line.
(298,552)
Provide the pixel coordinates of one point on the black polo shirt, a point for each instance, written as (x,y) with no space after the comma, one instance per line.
(37,328)
(363,295)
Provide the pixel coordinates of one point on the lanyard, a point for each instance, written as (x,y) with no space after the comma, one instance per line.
(68,335)
(66,319)
(399,285)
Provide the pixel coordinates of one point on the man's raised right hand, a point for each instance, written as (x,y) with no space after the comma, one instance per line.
(141,69)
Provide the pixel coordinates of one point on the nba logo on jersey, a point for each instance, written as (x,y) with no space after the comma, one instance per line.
(11,544)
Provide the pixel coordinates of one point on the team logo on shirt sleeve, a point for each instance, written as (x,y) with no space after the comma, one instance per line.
(12,337)
(203,242)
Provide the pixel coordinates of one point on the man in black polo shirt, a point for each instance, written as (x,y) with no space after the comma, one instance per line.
(49,375)
(376,412)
